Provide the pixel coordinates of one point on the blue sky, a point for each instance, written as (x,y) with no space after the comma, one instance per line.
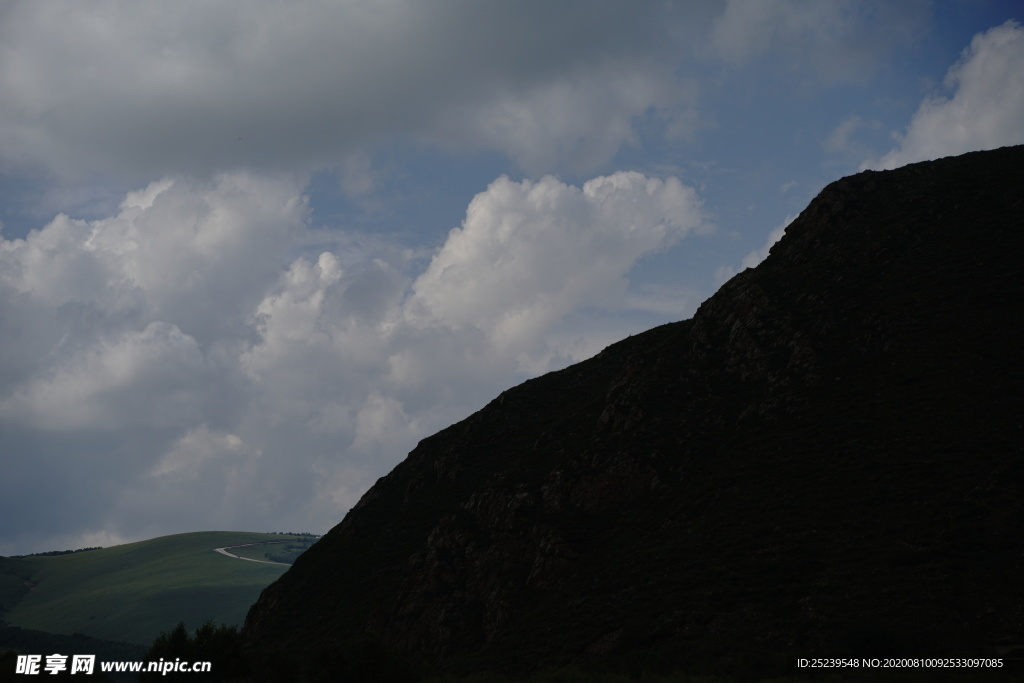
(252,252)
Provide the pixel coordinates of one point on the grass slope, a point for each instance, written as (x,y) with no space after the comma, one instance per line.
(132,592)
(14,581)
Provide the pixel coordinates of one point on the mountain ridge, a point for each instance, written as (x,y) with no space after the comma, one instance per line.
(825,460)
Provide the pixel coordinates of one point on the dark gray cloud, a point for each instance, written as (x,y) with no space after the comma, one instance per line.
(146,89)
(139,90)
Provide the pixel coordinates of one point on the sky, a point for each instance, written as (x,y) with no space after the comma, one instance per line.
(253,251)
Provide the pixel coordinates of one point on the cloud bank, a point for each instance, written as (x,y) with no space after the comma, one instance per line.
(202,382)
(264,85)
(137,90)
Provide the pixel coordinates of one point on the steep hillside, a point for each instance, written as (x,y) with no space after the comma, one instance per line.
(827,460)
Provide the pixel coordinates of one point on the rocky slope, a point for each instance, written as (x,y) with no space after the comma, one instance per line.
(827,460)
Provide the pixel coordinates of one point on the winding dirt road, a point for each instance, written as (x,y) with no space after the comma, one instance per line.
(224,551)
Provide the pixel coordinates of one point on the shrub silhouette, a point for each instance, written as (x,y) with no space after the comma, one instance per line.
(219,645)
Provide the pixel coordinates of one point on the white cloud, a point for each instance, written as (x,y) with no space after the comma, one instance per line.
(220,387)
(195,449)
(174,251)
(985,110)
(375,358)
(122,321)
(529,253)
(150,377)
(122,336)
(368,359)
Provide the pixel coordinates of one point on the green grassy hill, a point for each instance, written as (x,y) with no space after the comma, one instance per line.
(132,592)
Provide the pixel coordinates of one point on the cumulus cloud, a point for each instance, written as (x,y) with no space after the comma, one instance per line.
(150,377)
(984,111)
(94,307)
(212,373)
(529,253)
(121,335)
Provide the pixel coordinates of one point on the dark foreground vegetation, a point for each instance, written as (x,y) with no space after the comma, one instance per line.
(366,658)
(55,553)
(15,641)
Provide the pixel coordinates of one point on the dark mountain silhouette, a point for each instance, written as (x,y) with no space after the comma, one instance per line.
(827,460)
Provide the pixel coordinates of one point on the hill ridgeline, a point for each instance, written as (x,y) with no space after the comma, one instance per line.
(827,460)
